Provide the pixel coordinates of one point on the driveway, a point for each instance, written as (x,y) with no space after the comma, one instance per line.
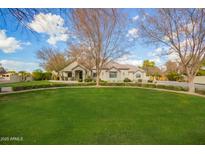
(182,84)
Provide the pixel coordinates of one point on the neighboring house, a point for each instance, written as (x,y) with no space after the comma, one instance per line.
(10,77)
(14,77)
(199,79)
(112,72)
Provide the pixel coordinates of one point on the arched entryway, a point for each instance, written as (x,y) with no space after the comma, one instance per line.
(79,75)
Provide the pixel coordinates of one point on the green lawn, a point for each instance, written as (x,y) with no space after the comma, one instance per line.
(102,116)
(30,83)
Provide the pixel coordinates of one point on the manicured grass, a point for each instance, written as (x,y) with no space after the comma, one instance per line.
(102,116)
(29,83)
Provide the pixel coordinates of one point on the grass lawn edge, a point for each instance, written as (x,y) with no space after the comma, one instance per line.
(74,87)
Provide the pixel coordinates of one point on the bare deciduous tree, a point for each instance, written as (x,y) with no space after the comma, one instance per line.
(182,31)
(171,67)
(82,54)
(52,59)
(100,30)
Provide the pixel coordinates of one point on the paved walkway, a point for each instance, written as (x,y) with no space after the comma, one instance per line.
(40,89)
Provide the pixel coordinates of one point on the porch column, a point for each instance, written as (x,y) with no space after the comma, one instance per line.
(73,74)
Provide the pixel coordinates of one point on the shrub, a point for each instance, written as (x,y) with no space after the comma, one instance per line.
(150,81)
(40,75)
(134,84)
(169,87)
(127,80)
(111,84)
(46,76)
(174,76)
(201,72)
(80,80)
(19,88)
(149,85)
(139,80)
(200,91)
(37,74)
(103,81)
(88,79)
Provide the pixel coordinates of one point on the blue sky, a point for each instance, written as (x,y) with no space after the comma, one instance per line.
(18,47)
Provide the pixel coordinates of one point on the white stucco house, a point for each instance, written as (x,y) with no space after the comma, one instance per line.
(111,72)
(13,77)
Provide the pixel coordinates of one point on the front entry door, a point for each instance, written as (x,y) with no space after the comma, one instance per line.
(81,75)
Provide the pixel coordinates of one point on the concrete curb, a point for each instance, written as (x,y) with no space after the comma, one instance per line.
(67,87)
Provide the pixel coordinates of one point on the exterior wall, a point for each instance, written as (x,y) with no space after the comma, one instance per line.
(73,67)
(121,75)
(11,77)
(80,69)
(133,75)
(104,75)
(15,78)
(199,79)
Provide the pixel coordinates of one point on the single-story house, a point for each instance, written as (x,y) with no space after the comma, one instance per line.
(111,72)
(14,77)
(10,77)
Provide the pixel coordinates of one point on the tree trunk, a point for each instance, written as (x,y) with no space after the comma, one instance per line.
(97,80)
(191,84)
(97,77)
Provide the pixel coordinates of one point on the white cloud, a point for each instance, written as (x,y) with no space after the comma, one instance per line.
(173,57)
(157,60)
(132,62)
(158,52)
(127,59)
(52,25)
(158,55)
(19,65)
(135,18)
(8,44)
(133,33)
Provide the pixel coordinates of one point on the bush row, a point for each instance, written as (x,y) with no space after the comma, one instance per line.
(176,88)
(148,85)
(200,91)
(19,88)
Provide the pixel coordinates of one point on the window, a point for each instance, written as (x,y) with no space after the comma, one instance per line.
(138,75)
(113,74)
(69,74)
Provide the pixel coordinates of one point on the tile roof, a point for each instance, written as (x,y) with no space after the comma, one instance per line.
(130,68)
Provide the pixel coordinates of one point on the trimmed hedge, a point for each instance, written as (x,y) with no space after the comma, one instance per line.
(169,87)
(88,79)
(148,85)
(127,80)
(200,91)
(19,88)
